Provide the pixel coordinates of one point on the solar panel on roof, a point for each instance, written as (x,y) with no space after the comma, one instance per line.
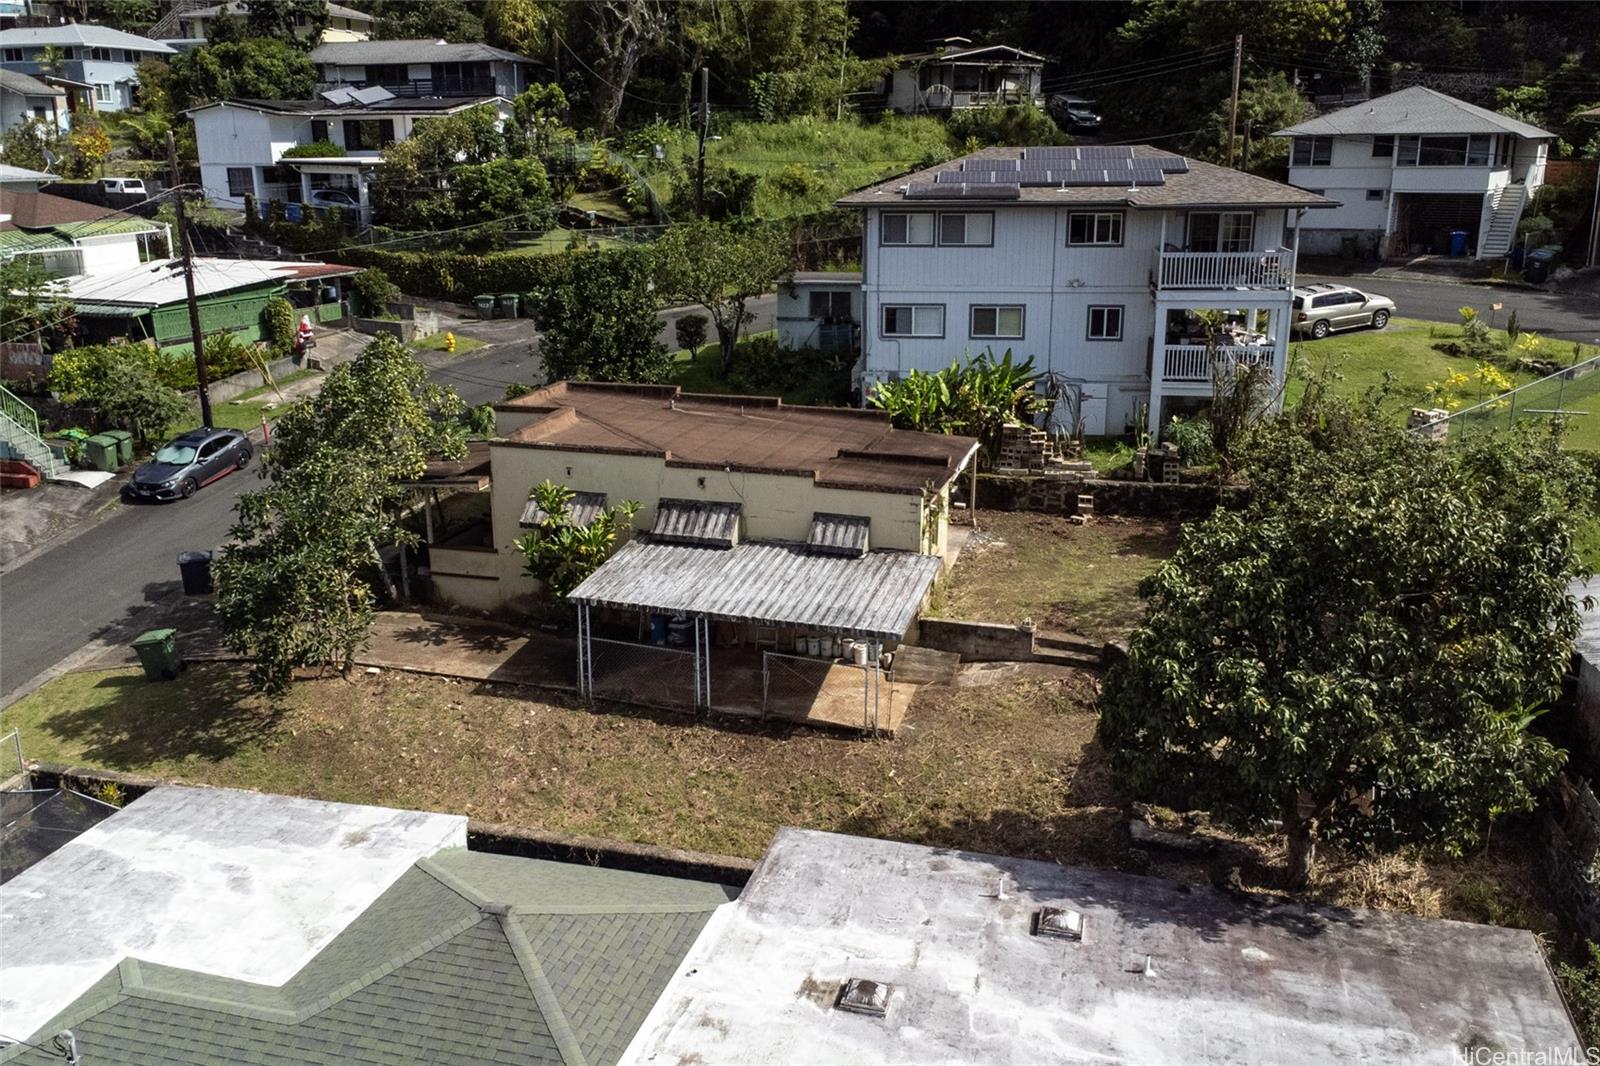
(923,190)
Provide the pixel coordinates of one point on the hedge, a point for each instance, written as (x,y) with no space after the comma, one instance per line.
(459,277)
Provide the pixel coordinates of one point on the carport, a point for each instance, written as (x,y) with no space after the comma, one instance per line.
(758,603)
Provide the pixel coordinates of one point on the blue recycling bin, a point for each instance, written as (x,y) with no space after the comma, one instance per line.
(1458,242)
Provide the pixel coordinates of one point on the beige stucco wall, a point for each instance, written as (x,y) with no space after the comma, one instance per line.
(774,507)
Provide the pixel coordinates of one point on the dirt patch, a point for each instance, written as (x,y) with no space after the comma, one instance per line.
(1063,576)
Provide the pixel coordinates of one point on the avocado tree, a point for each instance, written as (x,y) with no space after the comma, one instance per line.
(599,323)
(1358,652)
(295,586)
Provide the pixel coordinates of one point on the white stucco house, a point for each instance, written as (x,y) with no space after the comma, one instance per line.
(953,75)
(1095,261)
(97,56)
(425,68)
(1411,168)
(241,143)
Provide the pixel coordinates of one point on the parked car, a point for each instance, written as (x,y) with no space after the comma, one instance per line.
(1073,112)
(125,186)
(197,458)
(1321,309)
(334,198)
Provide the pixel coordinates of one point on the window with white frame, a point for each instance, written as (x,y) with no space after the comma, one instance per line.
(1375,194)
(241,181)
(906,228)
(102,55)
(913,320)
(1456,151)
(997,321)
(1502,154)
(1221,231)
(104,93)
(1095,228)
(969,229)
(1312,152)
(1105,322)
(11,55)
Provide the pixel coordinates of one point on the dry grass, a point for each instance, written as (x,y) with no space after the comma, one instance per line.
(1080,578)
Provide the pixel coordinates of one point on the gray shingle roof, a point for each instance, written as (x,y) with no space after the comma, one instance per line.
(237,7)
(467,958)
(81,33)
(360,53)
(14,81)
(1411,111)
(1204,185)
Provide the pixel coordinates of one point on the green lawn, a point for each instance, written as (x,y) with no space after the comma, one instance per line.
(703,373)
(245,411)
(435,343)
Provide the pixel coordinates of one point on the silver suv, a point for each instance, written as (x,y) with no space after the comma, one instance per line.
(1321,309)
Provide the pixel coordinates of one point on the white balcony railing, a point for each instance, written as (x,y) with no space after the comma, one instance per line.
(1225,270)
(1193,362)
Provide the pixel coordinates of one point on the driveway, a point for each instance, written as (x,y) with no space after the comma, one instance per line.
(1573,316)
(90,586)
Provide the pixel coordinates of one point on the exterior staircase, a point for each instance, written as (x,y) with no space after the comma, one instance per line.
(19,435)
(1504,214)
(166,26)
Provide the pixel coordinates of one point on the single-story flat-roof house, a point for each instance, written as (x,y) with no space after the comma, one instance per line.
(149,302)
(762,526)
(71,238)
(1415,172)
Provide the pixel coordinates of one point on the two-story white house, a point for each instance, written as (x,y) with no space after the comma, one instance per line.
(1116,269)
(241,143)
(97,56)
(425,68)
(1413,168)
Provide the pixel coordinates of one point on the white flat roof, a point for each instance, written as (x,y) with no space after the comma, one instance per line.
(236,884)
(1237,981)
(160,281)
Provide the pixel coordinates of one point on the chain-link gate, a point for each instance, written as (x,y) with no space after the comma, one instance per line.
(822,691)
(642,673)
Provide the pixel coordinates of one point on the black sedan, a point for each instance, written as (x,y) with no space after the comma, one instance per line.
(197,458)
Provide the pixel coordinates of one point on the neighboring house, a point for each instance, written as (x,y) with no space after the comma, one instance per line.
(21,179)
(954,76)
(1111,267)
(97,56)
(241,142)
(425,68)
(148,302)
(982,959)
(75,239)
(820,309)
(344,23)
(24,97)
(1411,168)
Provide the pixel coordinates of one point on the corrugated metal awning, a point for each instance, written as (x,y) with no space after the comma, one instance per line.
(774,583)
(838,534)
(703,522)
(582,509)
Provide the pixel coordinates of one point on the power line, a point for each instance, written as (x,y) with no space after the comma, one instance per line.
(1062,79)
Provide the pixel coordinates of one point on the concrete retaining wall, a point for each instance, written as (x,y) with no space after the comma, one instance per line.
(1059,495)
(977,642)
(245,380)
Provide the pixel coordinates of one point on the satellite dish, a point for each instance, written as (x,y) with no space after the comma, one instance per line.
(49,159)
(938,96)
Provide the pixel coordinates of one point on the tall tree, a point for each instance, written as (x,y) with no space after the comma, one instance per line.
(294,586)
(1359,651)
(260,69)
(599,322)
(1267,102)
(297,23)
(721,267)
(447,20)
(515,25)
(623,31)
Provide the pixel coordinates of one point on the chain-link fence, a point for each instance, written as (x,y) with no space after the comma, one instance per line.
(822,691)
(1572,395)
(11,760)
(642,673)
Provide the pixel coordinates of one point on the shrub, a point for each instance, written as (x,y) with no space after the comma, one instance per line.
(374,291)
(314,150)
(277,322)
(459,277)
(803,375)
(690,331)
(796,179)
(1194,440)
(1006,124)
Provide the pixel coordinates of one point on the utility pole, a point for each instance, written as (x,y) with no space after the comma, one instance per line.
(1233,101)
(704,119)
(188,284)
(1244,157)
(844,55)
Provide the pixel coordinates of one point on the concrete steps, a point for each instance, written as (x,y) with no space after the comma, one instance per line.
(1501,233)
(25,444)
(1066,649)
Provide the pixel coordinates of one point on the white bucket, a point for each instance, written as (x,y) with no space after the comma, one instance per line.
(799,644)
(837,647)
(859,652)
(814,645)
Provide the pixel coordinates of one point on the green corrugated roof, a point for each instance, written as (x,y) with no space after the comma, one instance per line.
(105,227)
(22,240)
(110,310)
(467,958)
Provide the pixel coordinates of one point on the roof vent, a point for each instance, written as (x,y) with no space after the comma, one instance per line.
(861,996)
(1058,923)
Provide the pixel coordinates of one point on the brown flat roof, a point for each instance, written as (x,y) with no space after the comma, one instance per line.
(838,447)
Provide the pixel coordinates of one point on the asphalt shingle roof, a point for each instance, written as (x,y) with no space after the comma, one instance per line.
(361,53)
(82,33)
(1416,110)
(1205,185)
(15,81)
(468,958)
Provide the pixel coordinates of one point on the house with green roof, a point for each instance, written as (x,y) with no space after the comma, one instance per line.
(72,238)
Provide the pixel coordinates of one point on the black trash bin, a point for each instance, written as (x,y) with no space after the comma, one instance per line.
(196,570)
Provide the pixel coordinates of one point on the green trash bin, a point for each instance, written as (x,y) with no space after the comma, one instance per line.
(485,304)
(100,451)
(506,305)
(124,441)
(158,654)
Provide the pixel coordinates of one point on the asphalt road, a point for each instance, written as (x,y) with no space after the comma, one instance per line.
(57,601)
(1573,316)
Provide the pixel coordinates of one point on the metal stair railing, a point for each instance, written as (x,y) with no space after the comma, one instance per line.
(26,421)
